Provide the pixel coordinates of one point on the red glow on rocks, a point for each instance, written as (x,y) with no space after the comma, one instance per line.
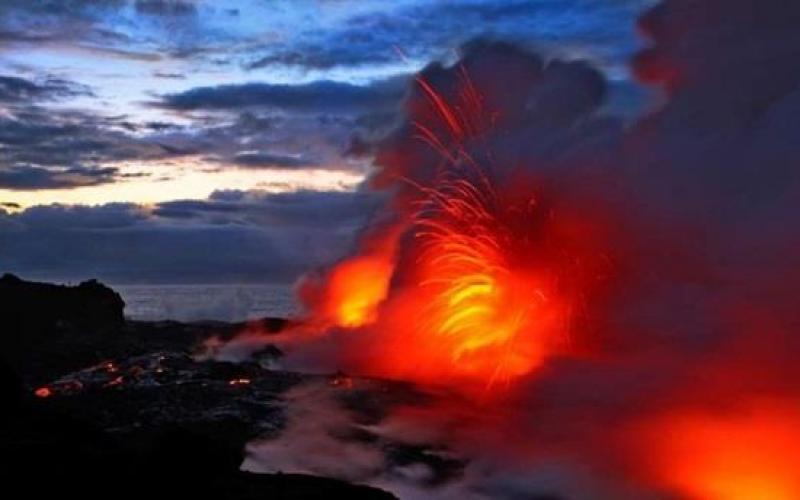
(43,392)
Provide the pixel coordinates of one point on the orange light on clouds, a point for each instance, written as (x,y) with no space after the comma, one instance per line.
(752,455)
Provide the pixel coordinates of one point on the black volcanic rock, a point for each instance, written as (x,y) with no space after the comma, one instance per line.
(109,408)
(43,327)
(47,453)
(39,307)
(11,391)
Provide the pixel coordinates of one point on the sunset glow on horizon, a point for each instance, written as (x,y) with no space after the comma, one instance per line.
(187,179)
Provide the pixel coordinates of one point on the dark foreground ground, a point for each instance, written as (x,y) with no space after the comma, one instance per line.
(95,406)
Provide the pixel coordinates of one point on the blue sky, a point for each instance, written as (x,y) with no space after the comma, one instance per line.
(142,103)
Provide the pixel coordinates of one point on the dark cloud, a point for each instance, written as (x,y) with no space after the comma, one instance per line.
(312,57)
(159,126)
(15,89)
(40,137)
(122,29)
(169,75)
(256,138)
(79,217)
(165,7)
(121,53)
(54,21)
(258,159)
(428,30)
(361,35)
(62,148)
(292,209)
(11,36)
(233,236)
(319,97)
(76,8)
(29,178)
(285,126)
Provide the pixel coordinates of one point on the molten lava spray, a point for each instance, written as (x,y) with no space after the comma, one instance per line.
(490,316)
(471,283)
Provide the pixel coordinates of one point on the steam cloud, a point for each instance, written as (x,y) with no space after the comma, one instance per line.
(692,342)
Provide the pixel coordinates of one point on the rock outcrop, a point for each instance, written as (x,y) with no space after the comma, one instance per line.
(45,329)
(42,307)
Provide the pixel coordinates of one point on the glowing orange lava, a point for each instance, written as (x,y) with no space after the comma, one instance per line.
(355,289)
(43,392)
(743,456)
(479,300)
(476,271)
(481,309)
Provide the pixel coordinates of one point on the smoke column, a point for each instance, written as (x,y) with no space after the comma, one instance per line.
(617,303)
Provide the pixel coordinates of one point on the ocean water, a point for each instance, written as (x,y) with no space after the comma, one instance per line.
(207,302)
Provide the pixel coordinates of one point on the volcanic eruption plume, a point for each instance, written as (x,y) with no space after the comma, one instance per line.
(621,296)
(476,276)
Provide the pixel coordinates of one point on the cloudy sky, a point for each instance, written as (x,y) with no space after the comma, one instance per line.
(196,141)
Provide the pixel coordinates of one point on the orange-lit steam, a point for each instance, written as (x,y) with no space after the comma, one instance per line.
(602,285)
(470,281)
(355,289)
(745,455)
(478,301)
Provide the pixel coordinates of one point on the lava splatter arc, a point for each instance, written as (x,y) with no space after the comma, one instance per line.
(480,282)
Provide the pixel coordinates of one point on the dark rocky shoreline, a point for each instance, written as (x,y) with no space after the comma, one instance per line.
(99,406)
